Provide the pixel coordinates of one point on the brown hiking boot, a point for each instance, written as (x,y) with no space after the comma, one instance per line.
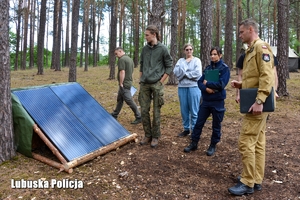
(154,142)
(145,140)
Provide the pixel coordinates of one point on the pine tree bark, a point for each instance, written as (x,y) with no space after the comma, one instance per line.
(67,44)
(25,28)
(156,13)
(113,39)
(32,33)
(82,41)
(7,149)
(206,31)
(283,46)
(74,40)
(55,64)
(228,34)
(121,22)
(94,34)
(98,33)
(239,44)
(173,51)
(136,33)
(55,33)
(41,37)
(86,34)
(19,16)
(218,24)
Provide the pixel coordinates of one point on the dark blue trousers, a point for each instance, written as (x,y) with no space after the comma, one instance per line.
(217,109)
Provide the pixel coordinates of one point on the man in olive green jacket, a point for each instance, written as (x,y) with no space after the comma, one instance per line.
(155,66)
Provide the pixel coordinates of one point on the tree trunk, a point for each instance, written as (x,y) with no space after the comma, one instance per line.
(121,19)
(41,37)
(98,33)
(47,34)
(181,27)
(32,32)
(248,8)
(67,53)
(238,41)
(94,35)
(228,34)
(297,21)
(86,39)
(7,149)
(206,31)
(74,40)
(113,39)
(156,13)
(136,33)
(283,46)
(274,23)
(25,28)
(173,51)
(55,64)
(55,33)
(218,24)
(82,40)
(19,15)
(58,66)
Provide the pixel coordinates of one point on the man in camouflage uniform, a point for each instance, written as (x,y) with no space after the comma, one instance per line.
(258,73)
(155,66)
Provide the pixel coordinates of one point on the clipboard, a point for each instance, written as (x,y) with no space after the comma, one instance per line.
(212,75)
(248,96)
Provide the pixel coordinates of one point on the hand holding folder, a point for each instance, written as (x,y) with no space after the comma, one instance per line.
(212,75)
(248,96)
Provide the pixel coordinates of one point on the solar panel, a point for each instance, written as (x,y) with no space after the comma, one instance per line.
(71,118)
(96,119)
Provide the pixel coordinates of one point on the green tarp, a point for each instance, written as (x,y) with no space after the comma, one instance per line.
(23,127)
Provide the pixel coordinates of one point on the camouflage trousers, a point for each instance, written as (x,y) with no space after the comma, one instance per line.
(147,93)
(252,144)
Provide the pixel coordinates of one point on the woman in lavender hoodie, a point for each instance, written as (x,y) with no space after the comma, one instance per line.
(188,70)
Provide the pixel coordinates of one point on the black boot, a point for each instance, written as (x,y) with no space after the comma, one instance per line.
(192,147)
(211,150)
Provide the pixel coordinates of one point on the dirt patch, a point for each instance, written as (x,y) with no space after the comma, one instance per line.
(166,172)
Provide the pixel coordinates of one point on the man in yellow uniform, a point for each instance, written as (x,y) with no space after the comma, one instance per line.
(258,73)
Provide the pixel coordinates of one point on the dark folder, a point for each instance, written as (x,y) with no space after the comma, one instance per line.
(248,97)
(212,75)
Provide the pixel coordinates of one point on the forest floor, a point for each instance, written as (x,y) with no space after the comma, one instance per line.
(165,172)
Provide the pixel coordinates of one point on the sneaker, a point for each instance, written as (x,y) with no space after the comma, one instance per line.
(137,121)
(241,189)
(154,142)
(145,140)
(183,134)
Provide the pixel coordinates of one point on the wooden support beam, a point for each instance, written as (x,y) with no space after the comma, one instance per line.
(100,151)
(68,166)
(51,162)
(54,150)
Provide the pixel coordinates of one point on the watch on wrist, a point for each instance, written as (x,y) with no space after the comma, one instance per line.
(258,101)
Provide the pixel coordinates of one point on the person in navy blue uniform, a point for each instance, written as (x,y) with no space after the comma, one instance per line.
(213,94)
